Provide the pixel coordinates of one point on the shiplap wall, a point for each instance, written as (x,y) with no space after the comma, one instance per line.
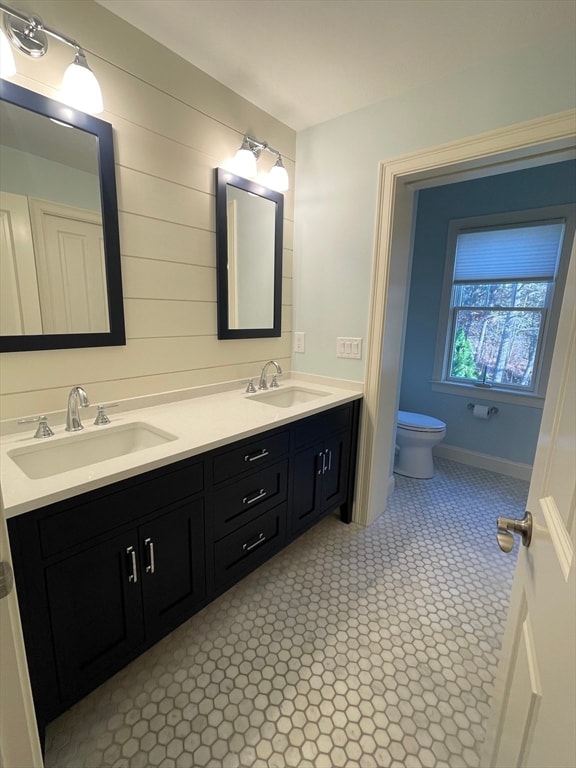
(172,126)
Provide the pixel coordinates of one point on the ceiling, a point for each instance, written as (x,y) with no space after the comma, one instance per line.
(308,61)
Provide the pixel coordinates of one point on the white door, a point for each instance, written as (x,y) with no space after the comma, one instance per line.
(19,301)
(533,719)
(19,743)
(70,263)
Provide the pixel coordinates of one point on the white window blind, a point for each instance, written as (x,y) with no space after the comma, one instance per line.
(528,253)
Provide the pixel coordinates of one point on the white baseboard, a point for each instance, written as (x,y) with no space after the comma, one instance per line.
(484,461)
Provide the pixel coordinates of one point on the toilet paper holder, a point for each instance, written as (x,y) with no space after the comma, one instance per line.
(491,411)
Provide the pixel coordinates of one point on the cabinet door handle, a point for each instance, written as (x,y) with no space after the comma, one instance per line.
(329,460)
(260,540)
(150,566)
(255,456)
(321,469)
(251,499)
(133,575)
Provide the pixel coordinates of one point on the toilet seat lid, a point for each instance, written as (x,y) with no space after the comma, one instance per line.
(419,422)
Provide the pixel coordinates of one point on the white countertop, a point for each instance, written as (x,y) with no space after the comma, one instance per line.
(199,424)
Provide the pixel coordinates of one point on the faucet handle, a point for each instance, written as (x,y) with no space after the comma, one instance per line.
(101,416)
(274,383)
(251,388)
(43,427)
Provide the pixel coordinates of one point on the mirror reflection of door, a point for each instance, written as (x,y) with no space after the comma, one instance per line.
(70,264)
(51,267)
(251,232)
(19,302)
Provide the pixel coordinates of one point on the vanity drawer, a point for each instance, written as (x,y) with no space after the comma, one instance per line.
(95,513)
(240,552)
(242,501)
(319,426)
(250,455)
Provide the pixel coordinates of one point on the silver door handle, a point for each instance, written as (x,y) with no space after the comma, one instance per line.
(251,499)
(255,456)
(133,575)
(507,527)
(260,540)
(149,544)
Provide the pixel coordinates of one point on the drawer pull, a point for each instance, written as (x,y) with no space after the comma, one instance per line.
(133,575)
(251,499)
(150,566)
(255,456)
(260,540)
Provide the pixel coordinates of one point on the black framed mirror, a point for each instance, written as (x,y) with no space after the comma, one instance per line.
(61,281)
(249,221)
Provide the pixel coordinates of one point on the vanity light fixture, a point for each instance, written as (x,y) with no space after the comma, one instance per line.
(244,164)
(278,176)
(29,35)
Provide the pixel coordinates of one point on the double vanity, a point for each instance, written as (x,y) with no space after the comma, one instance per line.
(122,531)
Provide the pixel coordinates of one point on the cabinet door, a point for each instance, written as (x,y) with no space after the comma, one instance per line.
(172,557)
(307,488)
(96,613)
(334,476)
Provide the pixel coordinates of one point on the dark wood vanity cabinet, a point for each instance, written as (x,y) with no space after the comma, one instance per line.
(103,576)
(109,599)
(321,477)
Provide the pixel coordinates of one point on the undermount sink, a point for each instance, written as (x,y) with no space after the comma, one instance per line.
(81,450)
(286,397)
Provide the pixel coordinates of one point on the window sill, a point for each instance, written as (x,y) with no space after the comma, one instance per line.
(527,399)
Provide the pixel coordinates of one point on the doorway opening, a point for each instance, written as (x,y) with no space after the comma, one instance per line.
(527,145)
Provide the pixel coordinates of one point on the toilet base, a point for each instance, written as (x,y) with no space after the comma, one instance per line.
(416,462)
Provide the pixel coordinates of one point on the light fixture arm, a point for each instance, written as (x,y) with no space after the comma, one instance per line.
(28,33)
(257,146)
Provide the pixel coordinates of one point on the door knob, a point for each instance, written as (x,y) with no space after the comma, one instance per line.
(506,527)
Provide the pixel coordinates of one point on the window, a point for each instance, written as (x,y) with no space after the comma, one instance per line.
(499,306)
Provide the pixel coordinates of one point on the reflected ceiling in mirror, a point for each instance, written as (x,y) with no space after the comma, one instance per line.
(249,220)
(59,246)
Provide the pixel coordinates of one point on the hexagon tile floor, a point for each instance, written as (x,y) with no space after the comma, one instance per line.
(353,647)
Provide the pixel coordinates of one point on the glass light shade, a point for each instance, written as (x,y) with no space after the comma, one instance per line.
(7,63)
(80,88)
(278,177)
(245,163)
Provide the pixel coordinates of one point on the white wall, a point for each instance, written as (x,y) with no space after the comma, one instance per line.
(337,181)
(33,176)
(172,126)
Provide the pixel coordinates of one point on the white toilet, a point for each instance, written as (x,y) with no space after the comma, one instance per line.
(416,434)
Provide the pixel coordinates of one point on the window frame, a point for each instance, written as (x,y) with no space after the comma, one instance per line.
(534,397)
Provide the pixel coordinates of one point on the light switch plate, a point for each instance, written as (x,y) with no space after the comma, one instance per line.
(349,347)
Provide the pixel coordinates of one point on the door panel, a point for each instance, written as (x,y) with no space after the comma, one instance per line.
(172,557)
(334,480)
(96,612)
(19,742)
(534,709)
(19,302)
(70,261)
(306,503)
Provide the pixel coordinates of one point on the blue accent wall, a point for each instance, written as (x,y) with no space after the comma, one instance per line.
(513,432)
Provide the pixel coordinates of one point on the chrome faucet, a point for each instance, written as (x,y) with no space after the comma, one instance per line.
(263,384)
(77,397)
